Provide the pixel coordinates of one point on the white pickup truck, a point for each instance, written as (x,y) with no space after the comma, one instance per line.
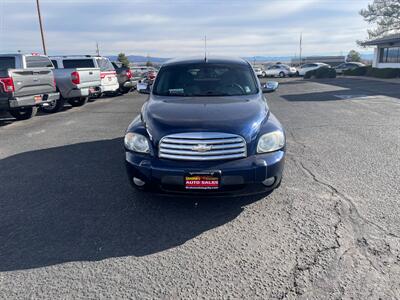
(108,76)
(76,80)
(26,82)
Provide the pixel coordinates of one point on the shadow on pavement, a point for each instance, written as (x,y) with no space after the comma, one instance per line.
(74,203)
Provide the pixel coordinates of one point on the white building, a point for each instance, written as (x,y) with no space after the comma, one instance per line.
(387,51)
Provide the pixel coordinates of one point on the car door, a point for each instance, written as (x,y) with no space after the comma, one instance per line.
(305,68)
(275,70)
(314,67)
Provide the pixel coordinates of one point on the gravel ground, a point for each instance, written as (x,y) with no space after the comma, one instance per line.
(72,227)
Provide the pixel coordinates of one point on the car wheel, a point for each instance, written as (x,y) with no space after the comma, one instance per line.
(24,113)
(124,90)
(54,106)
(79,101)
(282,74)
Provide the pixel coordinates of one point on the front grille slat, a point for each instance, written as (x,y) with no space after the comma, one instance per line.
(188,147)
(195,142)
(202,146)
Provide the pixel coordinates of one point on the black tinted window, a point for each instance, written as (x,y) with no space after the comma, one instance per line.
(55,64)
(7,63)
(205,79)
(38,62)
(78,63)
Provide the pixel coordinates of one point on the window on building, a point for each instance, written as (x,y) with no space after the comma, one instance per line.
(389,55)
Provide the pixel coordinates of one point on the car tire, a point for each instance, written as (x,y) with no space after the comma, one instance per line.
(24,113)
(282,74)
(125,90)
(54,106)
(112,94)
(79,101)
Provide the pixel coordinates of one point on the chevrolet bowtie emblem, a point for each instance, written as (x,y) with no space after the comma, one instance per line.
(202,148)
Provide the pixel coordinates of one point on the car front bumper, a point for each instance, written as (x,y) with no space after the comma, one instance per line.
(238,177)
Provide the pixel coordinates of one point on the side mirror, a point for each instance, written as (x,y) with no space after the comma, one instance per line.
(143,88)
(270,86)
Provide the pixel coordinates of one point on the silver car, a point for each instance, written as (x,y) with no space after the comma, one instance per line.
(348,66)
(280,70)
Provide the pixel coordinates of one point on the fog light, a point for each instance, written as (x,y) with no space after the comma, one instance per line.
(269,181)
(138,181)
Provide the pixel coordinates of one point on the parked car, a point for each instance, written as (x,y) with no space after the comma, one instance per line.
(124,76)
(280,70)
(76,79)
(139,71)
(108,75)
(259,72)
(310,67)
(26,82)
(348,66)
(206,128)
(145,83)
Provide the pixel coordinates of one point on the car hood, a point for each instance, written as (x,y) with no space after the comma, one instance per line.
(242,115)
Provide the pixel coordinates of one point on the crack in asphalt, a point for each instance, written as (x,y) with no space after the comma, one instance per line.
(349,215)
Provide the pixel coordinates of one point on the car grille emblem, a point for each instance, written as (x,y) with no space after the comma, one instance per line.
(202,148)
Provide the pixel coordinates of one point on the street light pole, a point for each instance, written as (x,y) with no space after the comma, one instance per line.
(41,27)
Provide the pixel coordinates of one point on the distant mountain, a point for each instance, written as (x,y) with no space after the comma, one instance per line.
(268,58)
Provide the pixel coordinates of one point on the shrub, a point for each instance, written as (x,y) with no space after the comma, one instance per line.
(321,73)
(383,73)
(360,71)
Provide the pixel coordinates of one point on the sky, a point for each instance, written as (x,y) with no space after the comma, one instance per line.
(171,28)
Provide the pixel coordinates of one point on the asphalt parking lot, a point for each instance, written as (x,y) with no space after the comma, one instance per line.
(72,227)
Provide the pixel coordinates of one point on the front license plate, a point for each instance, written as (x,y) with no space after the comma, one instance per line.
(202,182)
(92,90)
(37,99)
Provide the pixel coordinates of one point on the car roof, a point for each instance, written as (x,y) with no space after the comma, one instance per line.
(71,57)
(211,59)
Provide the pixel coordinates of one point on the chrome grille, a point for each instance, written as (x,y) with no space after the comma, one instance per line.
(202,146)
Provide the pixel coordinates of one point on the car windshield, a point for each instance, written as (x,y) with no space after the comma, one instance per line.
(205,79)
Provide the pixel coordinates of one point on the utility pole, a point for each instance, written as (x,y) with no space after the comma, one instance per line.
(41,27)
(97,49)
(301,41)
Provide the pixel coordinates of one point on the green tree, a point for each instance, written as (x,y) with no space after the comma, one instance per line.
(353,56)
(123,59)
(385,15)
(149,63)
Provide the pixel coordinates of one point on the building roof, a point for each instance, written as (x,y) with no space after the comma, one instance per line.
(392,38)
(211,59)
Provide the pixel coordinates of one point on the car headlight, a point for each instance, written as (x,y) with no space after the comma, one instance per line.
(136,142)
(271,141)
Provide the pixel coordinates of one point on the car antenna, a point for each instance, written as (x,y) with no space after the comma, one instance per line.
(205,48)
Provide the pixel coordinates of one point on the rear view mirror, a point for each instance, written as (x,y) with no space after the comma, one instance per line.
(270,87)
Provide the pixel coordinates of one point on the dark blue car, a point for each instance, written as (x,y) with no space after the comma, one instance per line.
(206,129)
